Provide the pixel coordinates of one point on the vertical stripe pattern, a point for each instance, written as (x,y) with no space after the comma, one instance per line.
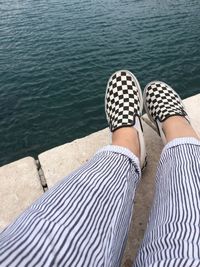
(82,221)
(172,237)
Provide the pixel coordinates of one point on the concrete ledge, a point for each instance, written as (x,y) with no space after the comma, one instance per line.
(20,186)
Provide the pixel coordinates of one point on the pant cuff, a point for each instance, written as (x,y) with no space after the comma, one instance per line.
(181,141)
(123,151)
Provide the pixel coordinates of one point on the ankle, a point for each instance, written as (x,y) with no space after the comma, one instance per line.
(127,137)
(177,127)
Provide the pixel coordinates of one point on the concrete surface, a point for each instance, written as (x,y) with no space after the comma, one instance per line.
(20,186)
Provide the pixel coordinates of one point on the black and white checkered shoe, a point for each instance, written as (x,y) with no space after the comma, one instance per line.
(162,102)
(124,104)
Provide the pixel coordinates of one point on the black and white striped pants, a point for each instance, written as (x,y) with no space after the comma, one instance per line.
(83,221)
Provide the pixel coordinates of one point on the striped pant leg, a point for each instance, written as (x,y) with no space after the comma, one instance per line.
(82,221)
(172,237)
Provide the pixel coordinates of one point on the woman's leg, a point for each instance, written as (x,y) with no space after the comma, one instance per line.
(84,220)
(172,237)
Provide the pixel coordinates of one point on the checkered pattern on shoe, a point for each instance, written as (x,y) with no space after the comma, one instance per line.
(122,100)
(162,101)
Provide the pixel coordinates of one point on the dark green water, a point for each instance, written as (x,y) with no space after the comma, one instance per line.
(56,57)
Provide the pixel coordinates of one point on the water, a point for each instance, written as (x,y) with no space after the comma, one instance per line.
(56,57)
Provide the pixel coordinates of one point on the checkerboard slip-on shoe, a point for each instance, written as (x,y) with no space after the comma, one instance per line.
(162,102)
(124,104)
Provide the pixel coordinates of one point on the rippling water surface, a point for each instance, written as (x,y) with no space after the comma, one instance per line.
(56,57)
